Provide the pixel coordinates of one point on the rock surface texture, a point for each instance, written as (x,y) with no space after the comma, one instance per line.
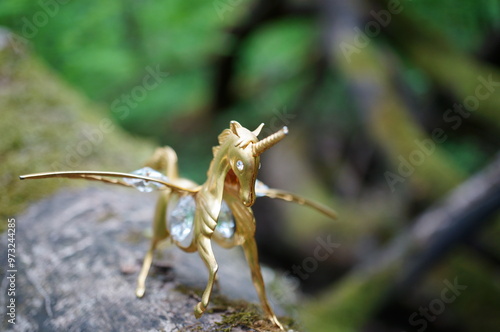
(78,255)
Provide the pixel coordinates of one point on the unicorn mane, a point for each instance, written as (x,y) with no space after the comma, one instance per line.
(222,138)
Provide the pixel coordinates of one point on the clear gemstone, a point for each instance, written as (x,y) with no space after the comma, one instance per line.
(180,220)
(240,165)
(143,185)
(260,188)
(225,223)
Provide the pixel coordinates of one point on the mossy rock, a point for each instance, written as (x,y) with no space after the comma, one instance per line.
(48,126)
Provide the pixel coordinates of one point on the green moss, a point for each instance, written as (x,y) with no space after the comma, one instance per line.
(239,318)
(247,315)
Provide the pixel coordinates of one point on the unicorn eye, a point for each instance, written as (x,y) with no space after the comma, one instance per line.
(239,165)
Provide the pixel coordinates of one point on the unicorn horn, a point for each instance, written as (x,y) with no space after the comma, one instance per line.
(269,141)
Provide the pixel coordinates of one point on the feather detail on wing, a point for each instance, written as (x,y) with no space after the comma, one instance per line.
(104,177)
(262,190)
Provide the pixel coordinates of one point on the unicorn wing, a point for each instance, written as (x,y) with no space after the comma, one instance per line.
(261,190)
(125,179)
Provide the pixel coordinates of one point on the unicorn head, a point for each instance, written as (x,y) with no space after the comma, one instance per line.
(243,157)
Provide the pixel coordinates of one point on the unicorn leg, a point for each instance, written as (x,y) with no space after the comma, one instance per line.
(207,255)
(146,265)
(252,256)
(159,233)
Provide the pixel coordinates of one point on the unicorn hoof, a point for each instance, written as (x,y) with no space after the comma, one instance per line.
(199,310)
(139,292)
(276,322)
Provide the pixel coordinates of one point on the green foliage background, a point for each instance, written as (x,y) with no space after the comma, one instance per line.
(103,48)
(106,48)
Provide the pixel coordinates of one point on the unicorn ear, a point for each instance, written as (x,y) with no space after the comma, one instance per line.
(256,132)
(234,125)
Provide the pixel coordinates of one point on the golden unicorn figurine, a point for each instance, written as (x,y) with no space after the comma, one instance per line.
(220,209)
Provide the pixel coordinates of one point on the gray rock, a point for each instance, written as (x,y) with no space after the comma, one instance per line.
(78,254)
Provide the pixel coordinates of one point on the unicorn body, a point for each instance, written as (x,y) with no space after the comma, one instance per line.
(231,179)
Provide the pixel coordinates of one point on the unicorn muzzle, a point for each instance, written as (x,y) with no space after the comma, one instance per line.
(247,197)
